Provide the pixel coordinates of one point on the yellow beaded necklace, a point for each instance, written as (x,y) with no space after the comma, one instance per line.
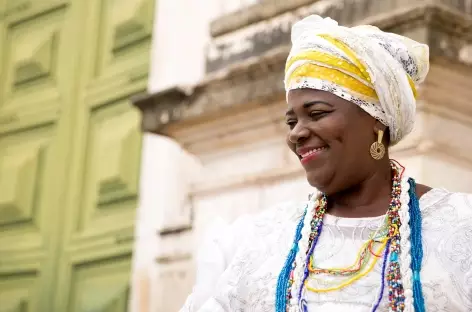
(356,277)
(362,256)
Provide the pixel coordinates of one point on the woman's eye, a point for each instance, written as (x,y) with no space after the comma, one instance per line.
(291,123)
(318,114)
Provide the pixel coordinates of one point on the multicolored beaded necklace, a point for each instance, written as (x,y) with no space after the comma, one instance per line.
(363,257)
(356,274)
(402,272)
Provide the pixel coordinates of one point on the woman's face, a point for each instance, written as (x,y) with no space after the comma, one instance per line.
(332,139)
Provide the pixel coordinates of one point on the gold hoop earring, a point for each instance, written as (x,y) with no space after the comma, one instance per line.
(377,149)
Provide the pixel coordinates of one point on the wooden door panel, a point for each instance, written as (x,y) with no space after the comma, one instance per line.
(119,41)
(24,160)
(15,293)
(34,57)
(96,279)
(110,174)
(101,285)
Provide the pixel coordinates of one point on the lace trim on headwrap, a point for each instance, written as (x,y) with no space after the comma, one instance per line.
(369,105)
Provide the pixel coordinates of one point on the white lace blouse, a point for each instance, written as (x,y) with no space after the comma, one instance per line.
(238,269)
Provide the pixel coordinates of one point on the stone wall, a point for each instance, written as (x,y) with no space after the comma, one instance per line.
(214,147)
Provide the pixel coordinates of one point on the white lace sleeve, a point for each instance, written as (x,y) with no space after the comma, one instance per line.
(213,258)
(467,299)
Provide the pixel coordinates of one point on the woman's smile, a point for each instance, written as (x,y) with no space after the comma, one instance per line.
(308,154)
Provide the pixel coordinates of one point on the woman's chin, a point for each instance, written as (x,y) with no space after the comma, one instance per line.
(319,179)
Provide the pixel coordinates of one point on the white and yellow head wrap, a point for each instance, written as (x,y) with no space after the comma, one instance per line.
(376,70)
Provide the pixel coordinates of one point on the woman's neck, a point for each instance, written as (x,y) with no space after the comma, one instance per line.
(370,198)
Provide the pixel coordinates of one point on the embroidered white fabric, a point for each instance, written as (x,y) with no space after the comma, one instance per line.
(237,270)
(388,58)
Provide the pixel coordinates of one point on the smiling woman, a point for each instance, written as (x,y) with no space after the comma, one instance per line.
(369,238)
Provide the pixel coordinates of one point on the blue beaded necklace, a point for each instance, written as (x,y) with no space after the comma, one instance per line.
(416,246)
(415,224)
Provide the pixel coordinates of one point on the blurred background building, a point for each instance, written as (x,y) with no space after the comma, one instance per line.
(95,215)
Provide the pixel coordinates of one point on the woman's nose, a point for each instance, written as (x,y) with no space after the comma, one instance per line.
(298,134)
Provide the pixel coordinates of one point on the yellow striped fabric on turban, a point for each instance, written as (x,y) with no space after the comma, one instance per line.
(376,70)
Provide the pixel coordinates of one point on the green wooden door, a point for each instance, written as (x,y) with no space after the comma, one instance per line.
(69,151)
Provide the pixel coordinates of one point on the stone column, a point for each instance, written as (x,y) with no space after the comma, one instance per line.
(164,216)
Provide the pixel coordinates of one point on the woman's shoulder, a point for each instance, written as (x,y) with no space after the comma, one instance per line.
(447,235)
(248,228)
(272,219)
(447,216)
(287,211)
(440,201)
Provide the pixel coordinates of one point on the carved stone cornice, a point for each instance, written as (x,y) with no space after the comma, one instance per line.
(344,11)
(258,80)
(255,13)
(390,15)
(252,82)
